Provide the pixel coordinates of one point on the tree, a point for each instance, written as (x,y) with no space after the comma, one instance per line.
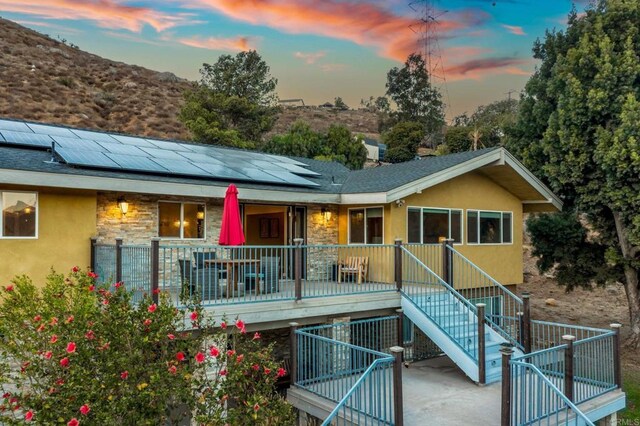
(300,140)
(578,127)
(457,139)
(344,147)
(402,141)
(416,99)
(234,102)
(339,104)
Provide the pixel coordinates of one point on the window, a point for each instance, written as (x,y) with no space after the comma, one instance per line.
(181,220)
(428,225)
(489,227)
(19,214)
(366,226)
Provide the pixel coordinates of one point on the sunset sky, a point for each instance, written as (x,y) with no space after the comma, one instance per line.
(316,49)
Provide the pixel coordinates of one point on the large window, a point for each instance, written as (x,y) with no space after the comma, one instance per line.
(181,220)
(19,214)
(428,225)
(489,227)
(366,226)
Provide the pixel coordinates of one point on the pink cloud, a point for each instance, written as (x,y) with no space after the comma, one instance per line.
(236,44)
(514,29)
(106,13)
(310,57)
(478,68)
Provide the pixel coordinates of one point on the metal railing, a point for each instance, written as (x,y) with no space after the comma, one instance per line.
(105,262)
(536,400)
(503,308)
(136,270)
(429,254)
(545,334)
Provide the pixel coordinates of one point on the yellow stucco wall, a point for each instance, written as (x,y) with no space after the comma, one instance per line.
(470,191)
(66,222)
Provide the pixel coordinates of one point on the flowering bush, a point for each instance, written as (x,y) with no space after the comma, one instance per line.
(77,353)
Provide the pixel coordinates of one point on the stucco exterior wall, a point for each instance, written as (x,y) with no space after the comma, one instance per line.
(66,222)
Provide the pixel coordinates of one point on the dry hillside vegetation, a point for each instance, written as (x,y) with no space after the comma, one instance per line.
(42,79)
(358,121)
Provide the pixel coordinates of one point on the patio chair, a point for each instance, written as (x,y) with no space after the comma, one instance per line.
(200,281)
(355,267)
(201,256)
(268,275)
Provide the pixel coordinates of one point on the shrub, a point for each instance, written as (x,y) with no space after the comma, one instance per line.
(76,350)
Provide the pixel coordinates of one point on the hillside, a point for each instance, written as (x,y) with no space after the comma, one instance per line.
(43,79)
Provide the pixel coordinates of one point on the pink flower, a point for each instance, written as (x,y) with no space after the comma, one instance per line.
(70,319)
(180,356)
(60,382)
(75,269)
(173,369)
(152,308)
(73,422)
(118,284)
(194,316)
(90,335)
(28,416)
(71,347)
(85,409)
(223,325)
(53,321)
(223,372)
(214,351)
(239,358)
(48,354)
(171,336)
(37,318)
(53,339)
(199,357)
(124,375)
(156,291)
(255,367)
(256,407)
(105,302)
(147,322)
(92,287)
(231,352)
(64,362)
(40,328)
(240,324)
(92,274)
(9,288)
(267,370)
(281,372)
(256,336)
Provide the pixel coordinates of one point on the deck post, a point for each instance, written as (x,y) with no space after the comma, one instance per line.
(399,328)
(118,260)
(155,268)
(293,351)
(92,261)
(520,316)
(298,267)
(398,263)
(447,261)
(397,351)
(482,363)
(506,350)
(617,372)
(568,366)
(526,322)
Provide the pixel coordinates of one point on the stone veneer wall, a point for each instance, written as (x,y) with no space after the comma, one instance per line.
(321,232)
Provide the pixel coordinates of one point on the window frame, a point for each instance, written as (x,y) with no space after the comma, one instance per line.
(37,225)
(181,237)
(502,212)
(448,210)
(365,225)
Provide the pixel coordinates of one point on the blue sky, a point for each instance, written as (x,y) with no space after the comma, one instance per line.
(316,49)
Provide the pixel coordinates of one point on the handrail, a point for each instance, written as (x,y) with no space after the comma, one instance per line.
(343,402)
(350,323)
(339,343)
(569,405)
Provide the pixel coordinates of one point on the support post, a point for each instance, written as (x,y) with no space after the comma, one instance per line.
(398,263)
(396,351)
(400,328)
(482,360)
(118,260)
(568,366)
(293,351)
(526,322)
(92,261)
(617,371)
(520,316)
(505,415)
(447,261)
(155,268)
(298,267)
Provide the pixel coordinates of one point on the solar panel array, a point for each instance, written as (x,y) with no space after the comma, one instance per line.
(90,149)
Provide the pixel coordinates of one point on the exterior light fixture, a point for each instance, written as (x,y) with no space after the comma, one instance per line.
(326,214)
(123,205)
(200,214)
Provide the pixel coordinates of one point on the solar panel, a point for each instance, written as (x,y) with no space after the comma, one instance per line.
(86,158)
(120,148)
(16,126)
(51,130)
(26,139)
(162,153)
(291,178)
(95,136)
(173,146)
(203,158)
(279,158)
(136,163)
(260,175)
(221,171)
(76,143)
(298,170)
(181,167)
(267,165)
(130,140)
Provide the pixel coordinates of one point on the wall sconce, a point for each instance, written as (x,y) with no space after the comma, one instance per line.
(123,205)
(326,214)
(200,215)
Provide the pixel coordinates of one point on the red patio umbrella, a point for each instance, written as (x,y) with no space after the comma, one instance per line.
(231,233)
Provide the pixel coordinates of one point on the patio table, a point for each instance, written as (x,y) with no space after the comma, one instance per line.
(233,267)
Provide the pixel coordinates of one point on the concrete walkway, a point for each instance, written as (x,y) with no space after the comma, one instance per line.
(438,393)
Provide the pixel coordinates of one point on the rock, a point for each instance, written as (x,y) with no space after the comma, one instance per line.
(613,290)
(130,85)
(167,76)
(551,302)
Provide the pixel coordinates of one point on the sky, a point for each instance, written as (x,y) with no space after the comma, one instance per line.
(317,49)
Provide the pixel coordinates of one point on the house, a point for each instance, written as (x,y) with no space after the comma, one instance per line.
(440,238)
(375,150)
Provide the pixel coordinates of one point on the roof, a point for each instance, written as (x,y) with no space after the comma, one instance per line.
(334,183)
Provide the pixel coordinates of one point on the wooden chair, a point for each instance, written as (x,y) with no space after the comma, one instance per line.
(357,266)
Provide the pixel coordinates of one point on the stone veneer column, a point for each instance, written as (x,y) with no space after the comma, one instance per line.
(321,232)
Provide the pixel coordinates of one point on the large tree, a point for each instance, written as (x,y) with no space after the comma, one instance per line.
(579,128)
(234,102)
(415,98)
(402,141)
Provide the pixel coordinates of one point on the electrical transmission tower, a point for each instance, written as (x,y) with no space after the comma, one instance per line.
(426,27)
